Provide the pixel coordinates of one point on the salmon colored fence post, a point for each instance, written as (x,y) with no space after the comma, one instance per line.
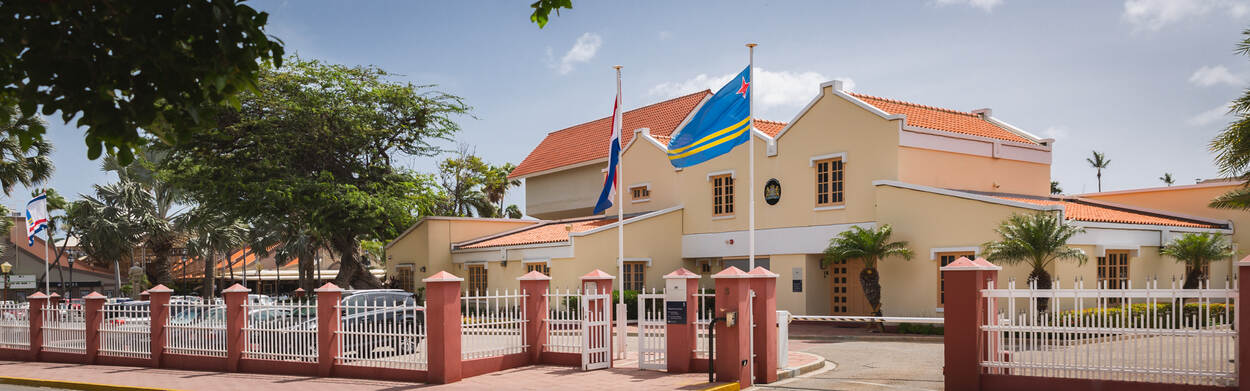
(535,285)
(733,341)
(1243,312)
(37,301)
(965,309)
(764,310)
(158,307)
(442,328)
(328,297)
(93,314)
(680,337)
(236,319)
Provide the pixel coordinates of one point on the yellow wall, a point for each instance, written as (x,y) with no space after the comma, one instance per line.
(970,172)
(643,162)
(564,194)
(429,244)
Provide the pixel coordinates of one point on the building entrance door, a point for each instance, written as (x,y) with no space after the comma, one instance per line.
(846,295)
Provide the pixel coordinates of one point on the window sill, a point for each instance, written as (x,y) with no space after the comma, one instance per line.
(830,207)
(727,217)
(639,201)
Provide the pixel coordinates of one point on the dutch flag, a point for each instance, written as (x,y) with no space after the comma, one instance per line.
(610,185)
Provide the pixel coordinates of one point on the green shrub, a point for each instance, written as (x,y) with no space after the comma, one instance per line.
(1145,315)
(923,329)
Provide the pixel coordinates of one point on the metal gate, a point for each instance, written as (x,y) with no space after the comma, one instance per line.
(596,331)
(652,332)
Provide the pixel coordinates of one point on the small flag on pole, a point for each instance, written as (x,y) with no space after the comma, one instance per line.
(614,156)
(36,216)
(723,123)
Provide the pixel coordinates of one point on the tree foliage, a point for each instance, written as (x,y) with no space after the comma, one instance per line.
(1197,250)
(1099,162)
(315,145)
(25,163)
(543,9)
(1037,239)
(868,246)
(471,185)
(1232,145)
(119,66)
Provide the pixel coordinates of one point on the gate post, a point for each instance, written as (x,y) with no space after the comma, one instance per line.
(599,282)
(764,309)
(965,310)
(733,353)
(1243,312)
(328,298)
(442,327)
(159,312)
(535,285)
(37,301)
(93,314)
(236,320)
(680,338)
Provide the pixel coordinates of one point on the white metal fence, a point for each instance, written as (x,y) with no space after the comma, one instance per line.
(15,325)
(281,330)
(125,330)
(703,318)
(1113,334)
(382,334)
(652,331)
(564,321)
(64,329)
(492,324)
(196,328)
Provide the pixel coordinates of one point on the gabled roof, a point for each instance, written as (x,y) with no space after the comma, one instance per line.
(943,119)
(547,232)
(1087,210)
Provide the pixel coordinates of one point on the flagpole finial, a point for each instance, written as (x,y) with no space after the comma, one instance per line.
(616,67)
(751,45)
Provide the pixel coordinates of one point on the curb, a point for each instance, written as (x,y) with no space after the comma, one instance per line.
(786,373)
(878,338)
(72,385)
(730,386)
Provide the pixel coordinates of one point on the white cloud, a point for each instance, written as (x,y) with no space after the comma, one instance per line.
(1155,14)
(582,51)
(1209,117)
(986,5)
(1056,132)
(1211,75)
(776,88)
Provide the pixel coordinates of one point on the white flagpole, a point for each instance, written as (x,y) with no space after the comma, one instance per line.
(751,158)
(47,278)
(620,224)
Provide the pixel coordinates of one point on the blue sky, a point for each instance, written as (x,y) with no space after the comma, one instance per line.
(1145,81)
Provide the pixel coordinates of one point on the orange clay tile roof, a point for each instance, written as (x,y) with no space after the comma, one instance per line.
(588,141)
(1082,210)
(942,119)
(550,232)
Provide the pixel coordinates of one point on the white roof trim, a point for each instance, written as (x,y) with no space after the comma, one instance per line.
(811,162)
(933,252)
(731,173)
(451,218)
(960,194)
(1148,227)
(627,221)
(1163,188)
(690,115)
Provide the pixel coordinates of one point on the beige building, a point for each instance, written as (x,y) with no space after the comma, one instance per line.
(943,178)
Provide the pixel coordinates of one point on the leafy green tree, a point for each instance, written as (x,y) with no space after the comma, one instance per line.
(543,9)
(1167,178)
(1196,251)
(317,142)
(495,183)
(106,232)
(1232,145)
(119,66)
(462,178)
(1054,188)
(1038,240)
(286,240)
(1098,162)
(868,246)
(22,163)
(154,208)
(212,233)
(513,212)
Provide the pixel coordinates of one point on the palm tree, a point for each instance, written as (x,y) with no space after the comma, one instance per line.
(1232,145)
(869,246)
(1099,162)
(1037,239)
(105,230)
(496,183)
(1054,188)
(1196,251)
(25,165)
(155,209)
(211,234)
(285,241)
(1167,178)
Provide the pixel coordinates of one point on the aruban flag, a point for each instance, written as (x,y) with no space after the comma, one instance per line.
(722,123)
(36,216)
(614,157)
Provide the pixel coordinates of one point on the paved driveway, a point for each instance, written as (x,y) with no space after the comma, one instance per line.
(870,365)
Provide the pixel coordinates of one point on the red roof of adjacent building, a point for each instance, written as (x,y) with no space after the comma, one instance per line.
(589,141)
(550,232)
(1085,210)
(942,119)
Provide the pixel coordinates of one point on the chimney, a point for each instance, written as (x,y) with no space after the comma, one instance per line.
(984,113)
(837,85)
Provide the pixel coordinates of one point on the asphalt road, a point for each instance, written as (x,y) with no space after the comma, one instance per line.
(870,366)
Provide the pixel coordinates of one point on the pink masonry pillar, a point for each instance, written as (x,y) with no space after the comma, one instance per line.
(535,285)
(442,327)
(145,295)
(328,297)
(764,307)
(599,282)
(37,301)
(1243,312)
(680,337)
(93,316)
(158,307)
(236,319)
(733,353)
(964,311)
(54,298)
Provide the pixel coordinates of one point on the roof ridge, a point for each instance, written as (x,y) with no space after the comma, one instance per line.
(769,121)
(903,102)
(631,110)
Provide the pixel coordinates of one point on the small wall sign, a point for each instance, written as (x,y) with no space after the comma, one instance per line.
(772,191)
(675,312)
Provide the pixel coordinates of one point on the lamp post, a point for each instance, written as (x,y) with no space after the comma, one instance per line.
(69,293)
(6,268)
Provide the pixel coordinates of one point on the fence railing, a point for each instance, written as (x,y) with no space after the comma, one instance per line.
(564,321)
(1157,335)
(492,324)
(64,329)
(196,328)
(385,335)
(703,318)
(125,330)
(15,325)
(281,330)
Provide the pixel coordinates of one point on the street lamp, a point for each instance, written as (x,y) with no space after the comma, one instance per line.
(6,268)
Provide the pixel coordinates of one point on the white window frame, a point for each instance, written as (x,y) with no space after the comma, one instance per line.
(645,185)
(812,162)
